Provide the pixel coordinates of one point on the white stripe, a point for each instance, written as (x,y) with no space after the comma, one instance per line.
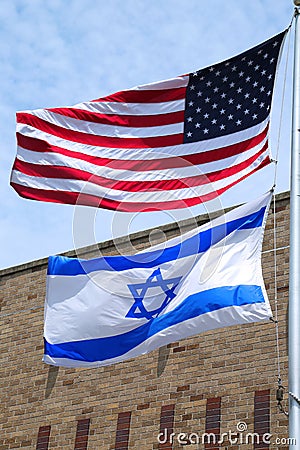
(57,184)
(131,109)
(97,129)
(192,170)
(144,153)
(232,315)
(171,83)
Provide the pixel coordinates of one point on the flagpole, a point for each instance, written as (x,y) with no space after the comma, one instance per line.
(294,276)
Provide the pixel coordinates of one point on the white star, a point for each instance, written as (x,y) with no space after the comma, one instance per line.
(270,77)
(254,116)
(232,85)
(214,105)
(247,95)
(263,72)
(269,93)
(190,119)
(238,122)
(222,127)
(230,117)
(241,74)
(222,111)
(227,64)
(192,87)
(197,125)
(205,131)
(191,103)
(271,60)
(198,110)
(246,111)
(225,79)
(208,83)
(217,73)
(262,89)
(207,100)
(248,79)
(195,73)
(211,69)
(265,55)
(239,90)
(199,94)
(238,106)
(233,68)
(261,105)
(275,44)
(256,67)
(250,63)
(189,134)
(254,100)
(206,116)
(214,121)
(216,89)
(259,52)
(223,95)
(201,78)
(255,84)
(230,101)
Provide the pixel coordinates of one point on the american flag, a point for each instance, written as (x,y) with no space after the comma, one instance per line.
(165,145)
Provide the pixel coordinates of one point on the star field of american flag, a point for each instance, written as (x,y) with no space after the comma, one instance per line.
(232,95)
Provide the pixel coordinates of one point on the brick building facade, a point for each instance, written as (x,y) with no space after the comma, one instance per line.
(207,383)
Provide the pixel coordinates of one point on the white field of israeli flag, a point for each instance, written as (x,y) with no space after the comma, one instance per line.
(109,309)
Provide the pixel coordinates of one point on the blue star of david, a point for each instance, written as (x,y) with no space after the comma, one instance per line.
(139,291)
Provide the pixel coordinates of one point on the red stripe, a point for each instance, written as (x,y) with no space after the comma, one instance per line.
(96,140)
(73,198)
(39,145)
(145,96)
(46,171)
(123,120)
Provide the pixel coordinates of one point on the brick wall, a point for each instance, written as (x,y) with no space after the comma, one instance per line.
(208,382)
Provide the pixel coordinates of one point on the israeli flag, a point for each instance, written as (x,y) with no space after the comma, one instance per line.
(113,308)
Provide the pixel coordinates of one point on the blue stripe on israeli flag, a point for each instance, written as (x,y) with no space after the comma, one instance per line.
(59,265)
(110,309)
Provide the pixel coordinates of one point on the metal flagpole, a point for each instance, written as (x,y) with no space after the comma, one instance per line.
(294,277)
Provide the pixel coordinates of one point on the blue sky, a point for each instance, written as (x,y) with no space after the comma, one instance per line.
(59,53)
